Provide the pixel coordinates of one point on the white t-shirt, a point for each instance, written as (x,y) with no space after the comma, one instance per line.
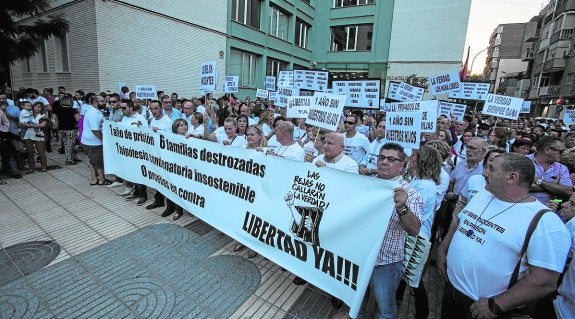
(201,109)
(25,116)
(481,264)
(273,143)
(196,131)
(426,188)
(298,133)
(134,119)
(267,130)
(163,124)
(370,158)
(475,184)
(30,133)
(293,151)
(92,122)
(238,141)
(356,146)
(441,188)
(345,163)
(84,108)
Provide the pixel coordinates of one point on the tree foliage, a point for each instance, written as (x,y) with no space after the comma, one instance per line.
(22,40)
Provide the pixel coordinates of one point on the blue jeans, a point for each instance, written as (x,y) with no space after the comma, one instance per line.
(384,282)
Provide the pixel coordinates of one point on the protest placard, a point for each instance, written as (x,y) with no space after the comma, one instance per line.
(526,107)
(428,111)
(470,91)
(261,93)
(273,96)
(444,83)
(325,110)
(569,116)
(298,106)
(403,92)
(283,94)
(285,79)
(146,92)
(231,84)
(270,83)
(310,80)
(400,127)
(448,109)
(265,203)
(208,77)
(502,106)
(360,93)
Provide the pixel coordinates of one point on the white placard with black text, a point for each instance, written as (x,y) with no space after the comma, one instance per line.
(444,83)
(310,80)
(146,92)
(298,106)
(502,106)
(325,110)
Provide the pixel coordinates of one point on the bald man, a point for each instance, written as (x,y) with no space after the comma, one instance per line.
(333,155)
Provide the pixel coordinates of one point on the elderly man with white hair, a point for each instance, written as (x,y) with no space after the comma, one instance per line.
(333,155)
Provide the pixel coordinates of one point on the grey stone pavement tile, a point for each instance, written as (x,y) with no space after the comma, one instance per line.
(89,222)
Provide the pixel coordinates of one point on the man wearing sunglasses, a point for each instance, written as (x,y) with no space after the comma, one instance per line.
(356,144)
(551,177)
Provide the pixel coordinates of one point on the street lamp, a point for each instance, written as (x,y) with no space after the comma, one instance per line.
(473,61)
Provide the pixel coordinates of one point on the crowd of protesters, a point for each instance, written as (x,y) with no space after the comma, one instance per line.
(473,176)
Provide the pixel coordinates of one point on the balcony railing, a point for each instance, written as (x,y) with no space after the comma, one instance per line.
(549,90)
(555,64)
(563,34)
(527,56)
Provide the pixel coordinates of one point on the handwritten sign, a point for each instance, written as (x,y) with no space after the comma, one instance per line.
(261,93)
(526,107)
(444,83)
(270,83)
(403,92)
(399,128)
(231,84)
(470,91)
(283,94)
(325,110)
(145,92)
(298,106)
(569,116)
(502,106)
(448,109)
(285,79)
(208,76)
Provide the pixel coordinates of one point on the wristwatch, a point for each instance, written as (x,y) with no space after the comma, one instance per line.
(493,307)
(538,182)
(402,212)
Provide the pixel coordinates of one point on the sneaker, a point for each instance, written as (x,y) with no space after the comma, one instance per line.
(116,184)
(128,190)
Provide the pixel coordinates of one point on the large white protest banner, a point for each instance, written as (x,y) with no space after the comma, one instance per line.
(470,91)
(428,109)
(325,110)
(569,116)
(298,106)
(444,83)
(144,92)
(208,77)
(283,94)
(310,80)
(526,107)
(231,84)
(263,94)
(502,106)
(400,128)
(403,92)
(360,93)
(295,214)
(448,109)
(285,79)
(270,83)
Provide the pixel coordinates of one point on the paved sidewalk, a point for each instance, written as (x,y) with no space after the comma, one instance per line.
(67,219)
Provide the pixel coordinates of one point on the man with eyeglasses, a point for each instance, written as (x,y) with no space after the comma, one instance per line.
(131,117)
(116,113)
(189,108)
(405,219)
(169,110)
(333,155)
(551,177)
(356,144)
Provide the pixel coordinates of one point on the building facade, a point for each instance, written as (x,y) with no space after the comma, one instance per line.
(164,43)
